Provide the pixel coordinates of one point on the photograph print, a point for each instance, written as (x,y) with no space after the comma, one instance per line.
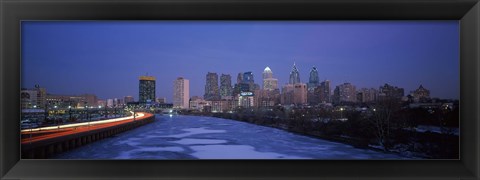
(182,90)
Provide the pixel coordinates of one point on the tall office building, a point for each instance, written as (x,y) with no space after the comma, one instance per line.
(313,81)
(248,83)
(226,89)
(287,94)
(211,87)
(300,93)
(146,92)
(324,92)
(239,78)
(181,93)
(269,83)
(345,93)
(294,75)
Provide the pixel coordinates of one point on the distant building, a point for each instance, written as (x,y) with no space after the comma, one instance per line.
(90,99)
(101,103)
(181,93)
(345,93)
(239,78)
(287,97)
(161,100)
(269,83)
(78,101)
(226,89)
(390,92)
(197,103)
(324,92)
(246,101)
(366,95)
(28,98)
(267,98)
(211,87)
(248,81)
(300,93)
(269,95)
(146,89)
(33,98)
(313,80)
(128,99)
(421,94)
(294,75)
(110,103)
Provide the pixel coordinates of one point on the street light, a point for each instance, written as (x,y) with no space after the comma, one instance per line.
(341,113)
(55,113)
(70,113)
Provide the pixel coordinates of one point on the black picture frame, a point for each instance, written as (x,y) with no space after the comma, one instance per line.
(14,11)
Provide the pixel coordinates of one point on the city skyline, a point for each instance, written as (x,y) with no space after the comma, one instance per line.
(106,58)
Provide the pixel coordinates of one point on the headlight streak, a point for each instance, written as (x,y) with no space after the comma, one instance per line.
(84,123)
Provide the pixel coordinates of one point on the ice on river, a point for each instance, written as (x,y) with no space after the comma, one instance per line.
(193,137)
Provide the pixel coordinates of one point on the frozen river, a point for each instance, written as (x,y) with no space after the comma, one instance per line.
(193,137)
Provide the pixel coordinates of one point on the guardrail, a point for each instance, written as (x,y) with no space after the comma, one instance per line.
(60,139)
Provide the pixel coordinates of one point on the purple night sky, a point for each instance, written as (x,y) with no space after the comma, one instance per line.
(107,57)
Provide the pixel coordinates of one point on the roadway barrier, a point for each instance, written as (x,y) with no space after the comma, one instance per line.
(42,148)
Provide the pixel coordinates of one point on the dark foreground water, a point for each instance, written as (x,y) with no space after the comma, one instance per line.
(193,137)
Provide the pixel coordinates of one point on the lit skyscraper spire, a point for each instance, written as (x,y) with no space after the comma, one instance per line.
(267,73)
(269,83)
(294,75)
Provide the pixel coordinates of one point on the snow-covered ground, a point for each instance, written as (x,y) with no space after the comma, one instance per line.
(436,129)
(192,137)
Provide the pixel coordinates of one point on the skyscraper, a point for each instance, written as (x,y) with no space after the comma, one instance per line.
(300,93)
(211,87)
(248,77)
(313,82)
(269,83)
(324,92)
(239,78)
(313,79)
(146,92)
(267,73)
(248,81)
(225,86)
(294,75)
(181,93)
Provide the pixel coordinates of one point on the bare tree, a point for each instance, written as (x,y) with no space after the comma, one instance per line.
(382,119)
